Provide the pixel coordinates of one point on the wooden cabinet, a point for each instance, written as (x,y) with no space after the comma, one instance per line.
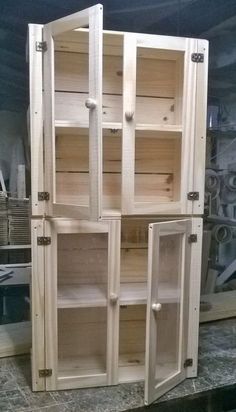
(115,301)
(118,153)
(124,120)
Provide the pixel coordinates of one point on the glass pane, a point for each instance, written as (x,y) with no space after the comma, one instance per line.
(169,295)
(159,88)
(82,336)
(82,269)
(72,118)
(157,166)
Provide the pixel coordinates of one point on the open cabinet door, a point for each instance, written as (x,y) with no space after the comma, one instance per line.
(76,191)
(167,307)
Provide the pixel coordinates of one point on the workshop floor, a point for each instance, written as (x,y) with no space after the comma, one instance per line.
(217,369)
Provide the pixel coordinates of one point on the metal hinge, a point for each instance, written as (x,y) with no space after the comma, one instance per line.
(197,57)
(192,238)
(45,373)
(193,195)
(43,196)
(43,240)
(41,46)
(188,362)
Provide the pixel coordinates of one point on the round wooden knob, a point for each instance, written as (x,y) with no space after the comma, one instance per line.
(129,116)
(113,298)
(156,307)
(90,103)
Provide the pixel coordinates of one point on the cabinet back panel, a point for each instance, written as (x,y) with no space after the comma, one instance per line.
(82,258)
(132,329)
(155,165)
(155,78)
(82,332)
(71,107)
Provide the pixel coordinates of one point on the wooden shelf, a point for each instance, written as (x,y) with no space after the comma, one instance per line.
(73,127)
(136,294)
(81,366)
(63,126)
(159,127)
(81,296)
(8,247)
(84,296)
(131,367)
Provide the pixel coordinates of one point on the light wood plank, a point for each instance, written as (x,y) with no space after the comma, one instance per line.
(218,306)
(36,119)
(37,290)
(15,339)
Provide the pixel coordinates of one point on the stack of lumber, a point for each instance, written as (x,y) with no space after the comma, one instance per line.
(19,221)
(3,219)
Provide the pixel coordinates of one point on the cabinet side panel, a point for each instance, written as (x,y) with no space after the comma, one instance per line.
(194,297)
(36,118)
(37,307)
(200,128)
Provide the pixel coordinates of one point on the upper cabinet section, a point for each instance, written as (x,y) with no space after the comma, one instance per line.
(124,120)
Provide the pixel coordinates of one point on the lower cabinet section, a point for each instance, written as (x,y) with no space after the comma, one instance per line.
(115,301)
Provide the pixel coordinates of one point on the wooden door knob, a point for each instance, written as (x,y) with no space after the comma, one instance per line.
(90,103)
(156,307)
(113,298)
(129,116)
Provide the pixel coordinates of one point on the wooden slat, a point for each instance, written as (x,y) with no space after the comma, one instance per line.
(218,306)
(154,77)
(37,306)
(36,119)
(15,339)
(71,107)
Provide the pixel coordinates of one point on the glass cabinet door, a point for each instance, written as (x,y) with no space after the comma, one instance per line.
(72,77)
(167,306)
(161,88)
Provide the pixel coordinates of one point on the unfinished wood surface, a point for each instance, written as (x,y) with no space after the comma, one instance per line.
(194,296)
(218,306)
(113,299)
(36,118)
(132,343)
(154,77)
(150,110)
(15,339)
(200,130)
(154,167)
(189,124)
(37,295)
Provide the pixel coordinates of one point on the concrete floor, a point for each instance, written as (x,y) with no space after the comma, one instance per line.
(217,368)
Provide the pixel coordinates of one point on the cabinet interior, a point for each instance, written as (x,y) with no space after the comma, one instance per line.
(82,337)
(158,135)
(82,270)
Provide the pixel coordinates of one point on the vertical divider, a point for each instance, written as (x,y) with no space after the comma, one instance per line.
(51,315)
(37,290)
(113,301)
(194,297)
(128,133)
(200,128)
(95,114)
(36,118)
(49,120)
(189,104)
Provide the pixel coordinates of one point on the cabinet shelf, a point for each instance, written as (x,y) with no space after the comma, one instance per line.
(81,366)
(114,129)
(82,296)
